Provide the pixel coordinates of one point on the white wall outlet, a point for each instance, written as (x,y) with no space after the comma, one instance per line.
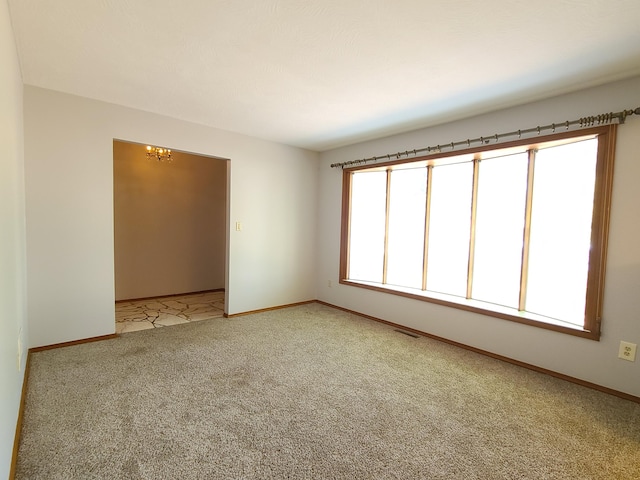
(627,351)
(329,283)
(238,226)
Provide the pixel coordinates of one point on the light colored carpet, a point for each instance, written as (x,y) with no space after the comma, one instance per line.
(311,392)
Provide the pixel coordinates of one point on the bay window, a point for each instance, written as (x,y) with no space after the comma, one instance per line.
(515,230)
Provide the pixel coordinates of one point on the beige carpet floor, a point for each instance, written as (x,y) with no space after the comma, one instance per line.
(311,392)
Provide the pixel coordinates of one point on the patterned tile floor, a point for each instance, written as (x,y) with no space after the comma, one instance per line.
(165,311)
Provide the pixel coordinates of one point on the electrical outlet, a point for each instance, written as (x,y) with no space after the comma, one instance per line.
(329,283)
(627,351)
(238,226)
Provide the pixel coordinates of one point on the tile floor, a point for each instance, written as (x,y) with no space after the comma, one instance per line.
(165,311)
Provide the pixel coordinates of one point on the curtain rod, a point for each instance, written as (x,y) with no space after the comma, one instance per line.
(602,119)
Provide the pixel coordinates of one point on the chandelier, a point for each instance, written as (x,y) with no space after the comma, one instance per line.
(159,154)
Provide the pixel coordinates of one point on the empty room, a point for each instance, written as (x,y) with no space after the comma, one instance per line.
(409,248)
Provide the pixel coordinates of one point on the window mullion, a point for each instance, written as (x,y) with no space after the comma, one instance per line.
(526,241)
(472,232)
(386,229)
(427,220)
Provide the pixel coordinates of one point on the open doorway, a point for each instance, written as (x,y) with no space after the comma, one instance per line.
(170,234)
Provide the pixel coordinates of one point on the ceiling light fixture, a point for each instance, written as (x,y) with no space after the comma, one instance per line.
(158,153)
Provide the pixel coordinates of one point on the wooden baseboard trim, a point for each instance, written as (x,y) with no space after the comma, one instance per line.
(16,438)
(528,366)
(279,307)
(171,295)
(74,342)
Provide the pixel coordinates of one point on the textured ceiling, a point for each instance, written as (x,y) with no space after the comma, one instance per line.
(325,73)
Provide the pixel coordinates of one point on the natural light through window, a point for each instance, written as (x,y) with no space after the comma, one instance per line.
(518,231)
(367,226)
(406,227)
(448,250)
(561,230)
(502,194)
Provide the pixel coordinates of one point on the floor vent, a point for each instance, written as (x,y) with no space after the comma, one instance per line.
(409,334)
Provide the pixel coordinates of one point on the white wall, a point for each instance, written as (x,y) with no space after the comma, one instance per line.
(589,360)
(13,326)
(69,205)
(169,222)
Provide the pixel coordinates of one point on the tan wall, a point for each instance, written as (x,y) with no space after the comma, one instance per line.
(169,221)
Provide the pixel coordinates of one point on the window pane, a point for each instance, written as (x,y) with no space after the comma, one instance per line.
(502,194)
(561,230)
(366,246)
(449,230)
(406,227)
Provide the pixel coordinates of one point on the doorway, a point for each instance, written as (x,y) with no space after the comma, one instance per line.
(170,236)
